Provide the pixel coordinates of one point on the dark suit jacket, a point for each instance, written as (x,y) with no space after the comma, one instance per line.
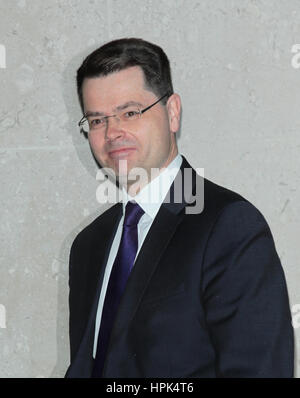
(207,296)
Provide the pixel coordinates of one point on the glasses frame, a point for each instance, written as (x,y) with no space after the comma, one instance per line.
(141,111)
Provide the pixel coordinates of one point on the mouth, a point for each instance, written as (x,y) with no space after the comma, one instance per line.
(121,152)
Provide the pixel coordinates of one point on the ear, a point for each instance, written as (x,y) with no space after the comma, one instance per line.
(174,111)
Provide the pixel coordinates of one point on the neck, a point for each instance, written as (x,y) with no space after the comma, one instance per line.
(136,182)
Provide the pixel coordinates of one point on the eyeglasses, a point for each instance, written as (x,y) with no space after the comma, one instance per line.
(95,122)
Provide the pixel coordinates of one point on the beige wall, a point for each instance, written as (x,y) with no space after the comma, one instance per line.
(232,65)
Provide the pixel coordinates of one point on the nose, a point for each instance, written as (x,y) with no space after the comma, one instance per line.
(113,130)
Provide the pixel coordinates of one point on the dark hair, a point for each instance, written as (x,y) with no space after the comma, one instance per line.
(124,53)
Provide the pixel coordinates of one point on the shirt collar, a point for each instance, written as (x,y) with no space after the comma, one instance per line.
(153,194)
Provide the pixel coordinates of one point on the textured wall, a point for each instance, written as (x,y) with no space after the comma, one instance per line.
(232,65)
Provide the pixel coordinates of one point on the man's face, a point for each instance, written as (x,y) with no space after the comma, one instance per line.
(148,142)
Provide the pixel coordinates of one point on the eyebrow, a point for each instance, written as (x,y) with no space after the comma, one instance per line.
(118,108)
(90,113)
(127,104)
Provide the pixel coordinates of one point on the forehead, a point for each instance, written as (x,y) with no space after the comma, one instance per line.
(127,84)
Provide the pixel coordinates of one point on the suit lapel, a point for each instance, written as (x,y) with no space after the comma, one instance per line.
(101,246)
(162,230)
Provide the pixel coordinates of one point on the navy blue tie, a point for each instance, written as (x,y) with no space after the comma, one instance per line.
(117,281)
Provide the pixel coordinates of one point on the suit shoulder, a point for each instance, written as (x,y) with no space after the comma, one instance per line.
(220,195)
(220,200)
(98,223)
(223,202)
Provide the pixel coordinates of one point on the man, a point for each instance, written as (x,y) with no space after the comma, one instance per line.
(157,290)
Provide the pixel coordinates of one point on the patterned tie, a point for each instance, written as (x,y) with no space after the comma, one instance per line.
(117,281)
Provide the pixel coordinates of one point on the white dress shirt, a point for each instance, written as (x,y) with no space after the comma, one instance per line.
(149,199)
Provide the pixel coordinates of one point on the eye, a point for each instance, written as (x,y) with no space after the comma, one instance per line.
(94,123)
(131,114)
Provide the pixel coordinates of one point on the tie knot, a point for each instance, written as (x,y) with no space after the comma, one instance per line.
(133,213)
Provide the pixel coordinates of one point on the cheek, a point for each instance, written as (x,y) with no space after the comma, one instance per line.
(158,139)
(97,144)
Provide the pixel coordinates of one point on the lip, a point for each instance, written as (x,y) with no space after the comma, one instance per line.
(120,152)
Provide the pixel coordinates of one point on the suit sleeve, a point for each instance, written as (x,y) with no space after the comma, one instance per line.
(245,297)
